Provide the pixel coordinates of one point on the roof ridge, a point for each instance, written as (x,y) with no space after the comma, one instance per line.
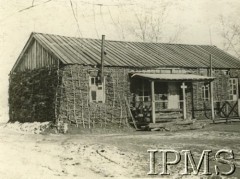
(164,43)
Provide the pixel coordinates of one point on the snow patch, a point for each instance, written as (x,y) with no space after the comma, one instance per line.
(32,128)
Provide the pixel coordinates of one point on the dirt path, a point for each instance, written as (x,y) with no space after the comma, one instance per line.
(31,156)
(24,155)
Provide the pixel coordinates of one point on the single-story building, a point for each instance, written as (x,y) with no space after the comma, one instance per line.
(92,82)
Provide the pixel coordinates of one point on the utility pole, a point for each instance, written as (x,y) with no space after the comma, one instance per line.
(102,58)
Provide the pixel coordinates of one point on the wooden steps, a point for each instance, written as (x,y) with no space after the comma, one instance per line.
(170,110)
(159,125)
(177,125)
(168,116)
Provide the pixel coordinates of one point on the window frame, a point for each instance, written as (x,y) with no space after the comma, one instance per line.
(143,97)
(141,93)
(205,92)
(233,86)
(98,88)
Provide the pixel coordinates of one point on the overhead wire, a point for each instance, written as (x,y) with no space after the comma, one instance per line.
(100,9)
(74,15)
(114,23)
(119,6)
(95,22)
(27,8)
(34,4)
(24,9)
(100,4)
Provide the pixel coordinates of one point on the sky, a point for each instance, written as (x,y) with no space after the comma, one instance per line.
(191,21)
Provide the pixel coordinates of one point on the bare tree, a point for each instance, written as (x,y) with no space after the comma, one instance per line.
(177,35)
(150,24)
(230,32)
(142,22)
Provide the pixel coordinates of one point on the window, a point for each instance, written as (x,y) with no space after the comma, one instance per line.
(143,95)
(233,92)
(205,92)
(144,91)
(97,90)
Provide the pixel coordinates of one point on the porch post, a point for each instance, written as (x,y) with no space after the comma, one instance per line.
(239,107)
(211,98)
(153,102)
(211,90)
(184,100)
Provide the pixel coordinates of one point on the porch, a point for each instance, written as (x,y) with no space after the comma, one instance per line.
(163,97)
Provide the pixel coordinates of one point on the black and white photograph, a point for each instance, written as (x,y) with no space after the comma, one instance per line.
(120,89)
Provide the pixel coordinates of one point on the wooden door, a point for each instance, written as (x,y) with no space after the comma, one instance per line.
(173,95)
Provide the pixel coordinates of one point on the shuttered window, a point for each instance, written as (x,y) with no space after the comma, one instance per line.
(97,90)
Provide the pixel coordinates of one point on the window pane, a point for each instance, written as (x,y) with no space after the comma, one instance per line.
(94,95)
(146,98)
(99,82)
(234,91)
(92,81)
(203,92)
(206,95)
(146,93)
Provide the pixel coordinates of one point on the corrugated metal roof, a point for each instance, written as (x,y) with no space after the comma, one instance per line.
(174,77)
(73,50)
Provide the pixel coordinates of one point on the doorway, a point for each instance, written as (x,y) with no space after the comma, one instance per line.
(173,95)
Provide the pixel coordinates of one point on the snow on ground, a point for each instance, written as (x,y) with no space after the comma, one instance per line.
(25,154)
(34,127)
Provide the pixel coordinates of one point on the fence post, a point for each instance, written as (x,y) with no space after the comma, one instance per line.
(239,107)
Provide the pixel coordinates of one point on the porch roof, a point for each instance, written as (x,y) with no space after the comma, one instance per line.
(173,77)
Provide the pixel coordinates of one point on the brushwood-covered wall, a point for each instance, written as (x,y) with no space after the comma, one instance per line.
(74,101)
(33,82)
(32,95)
(62,94)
